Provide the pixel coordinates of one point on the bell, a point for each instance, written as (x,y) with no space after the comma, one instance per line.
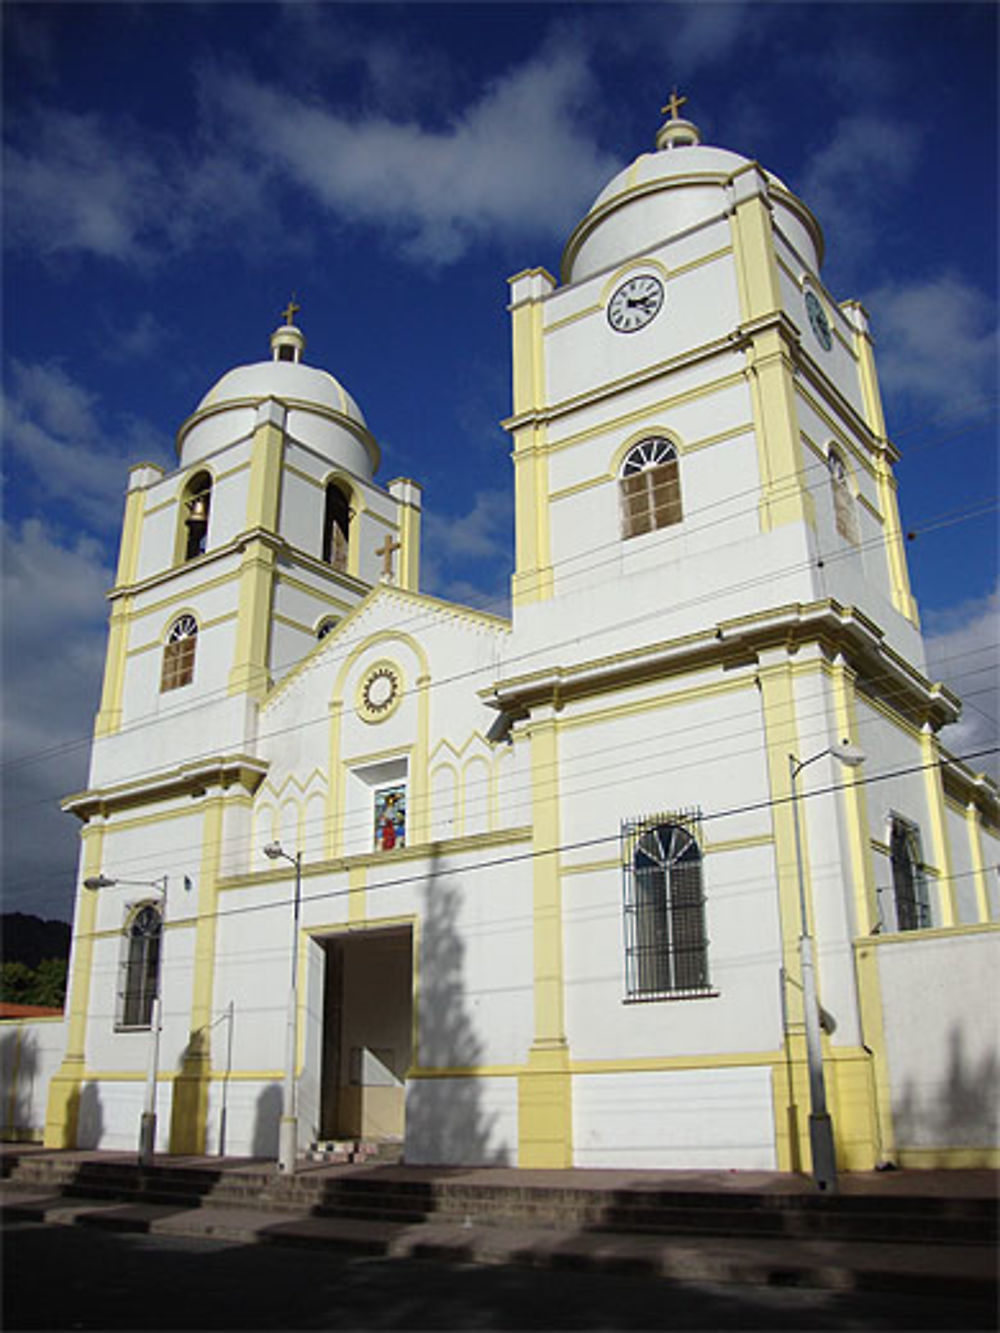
(198,510)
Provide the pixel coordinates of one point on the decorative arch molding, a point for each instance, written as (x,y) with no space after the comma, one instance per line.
(648,432)
(632,266)
(194,510)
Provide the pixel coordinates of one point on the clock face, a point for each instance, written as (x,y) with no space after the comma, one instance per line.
(819,322)
(380,692)
(635,303)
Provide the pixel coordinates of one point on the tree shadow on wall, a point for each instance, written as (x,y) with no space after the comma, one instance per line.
(962,1112)
(446,1122)
(18,1067)
(267,1117)
(89,1117)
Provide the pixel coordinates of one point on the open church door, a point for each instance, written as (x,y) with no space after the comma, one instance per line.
(309,1058)
(367,1033)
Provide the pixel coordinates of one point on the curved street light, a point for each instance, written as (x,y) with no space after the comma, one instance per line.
(821,1142)
(288,1131)
(147,1121)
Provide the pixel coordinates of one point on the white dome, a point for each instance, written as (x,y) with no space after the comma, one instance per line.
(663,193)
(285,380)
(321,414)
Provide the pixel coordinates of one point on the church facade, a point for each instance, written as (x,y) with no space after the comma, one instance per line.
(554,889)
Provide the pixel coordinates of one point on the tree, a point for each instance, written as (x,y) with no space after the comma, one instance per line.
(45,984)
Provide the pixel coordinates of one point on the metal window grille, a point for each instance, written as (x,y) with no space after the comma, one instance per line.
(909,884)
(650,488)
(666,944)
(139,969)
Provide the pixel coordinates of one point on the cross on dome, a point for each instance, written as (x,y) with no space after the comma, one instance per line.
(290,311)
(674,104)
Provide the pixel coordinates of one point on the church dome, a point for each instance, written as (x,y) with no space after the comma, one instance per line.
(683,184)
(321,414)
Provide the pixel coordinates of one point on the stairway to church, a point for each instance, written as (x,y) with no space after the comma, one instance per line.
(372,1189)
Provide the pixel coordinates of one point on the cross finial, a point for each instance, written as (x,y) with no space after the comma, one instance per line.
(290,311)
(674,104)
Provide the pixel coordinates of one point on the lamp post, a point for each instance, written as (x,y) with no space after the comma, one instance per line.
(288,1132)
(824,1156)
(147,1121)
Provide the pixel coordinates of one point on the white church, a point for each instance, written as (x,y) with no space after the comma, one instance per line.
(667,869)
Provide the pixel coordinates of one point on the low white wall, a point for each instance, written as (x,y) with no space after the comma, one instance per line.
(941,1004)
(30,1053)
(718,1119)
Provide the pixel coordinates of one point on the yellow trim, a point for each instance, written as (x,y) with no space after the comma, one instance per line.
(409,555)
(63,1107)
(544,1094)
(249,673)
(934,789)
(419,813)
(874,1037)
(357,895)
(784,497)
(156,645)
(189,1105)
(382,666)
(855,805)
(954,1159)
(335,790)
(109,717)
(653,703)
(737,844)
(973,827)
(591,867)
(902,598)
(164,604)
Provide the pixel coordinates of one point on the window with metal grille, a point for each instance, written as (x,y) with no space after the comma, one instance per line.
(650,487)
(909,884)
(139,969)
(844,508)
(178,654)
(666,945)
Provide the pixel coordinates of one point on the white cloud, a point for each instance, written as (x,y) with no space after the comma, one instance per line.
(53,650)
(515,160)
(75,182)
(838,184)
(52,428)
(937,340)
(468,558)
(963,650)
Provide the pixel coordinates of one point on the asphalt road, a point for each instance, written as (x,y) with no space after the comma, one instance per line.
(82,1278)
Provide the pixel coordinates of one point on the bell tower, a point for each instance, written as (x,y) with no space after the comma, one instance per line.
(696,421)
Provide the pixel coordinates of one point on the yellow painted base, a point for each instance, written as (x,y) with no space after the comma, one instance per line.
(545,1109)
(189,1108)
(955,1159)
(63,1110)
(850,1092)
(371,1113)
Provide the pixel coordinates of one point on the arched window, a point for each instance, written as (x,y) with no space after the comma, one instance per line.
(196,507)
(140,967)
(844,509)
(178,654)
(326,625)
(336,527)
(650,487)
(666,947)
(909,886)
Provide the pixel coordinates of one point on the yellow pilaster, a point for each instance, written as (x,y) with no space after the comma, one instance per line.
(189,1106)
(357,895)
(934,787)
(753,248)
(902,598)
(972,824)
(545,1112)
(335,793)
(249,672)
(419,797)
(408,511)
(110,716)
(873,1027)
(855,805)
(784,496)
(533,573)
(63,1106)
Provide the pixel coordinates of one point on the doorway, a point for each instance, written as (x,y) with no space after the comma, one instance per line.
(367,1033)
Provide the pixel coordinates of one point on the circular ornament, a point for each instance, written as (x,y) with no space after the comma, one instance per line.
(637,301)
(818,321)
(380,691)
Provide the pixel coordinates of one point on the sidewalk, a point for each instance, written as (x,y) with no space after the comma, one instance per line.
(922,1265)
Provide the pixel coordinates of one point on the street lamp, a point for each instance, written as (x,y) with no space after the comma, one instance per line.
(288,1132)
(824,1156)
(147,1122)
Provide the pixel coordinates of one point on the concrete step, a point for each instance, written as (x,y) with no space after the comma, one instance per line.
(818,1263)
(388,1196)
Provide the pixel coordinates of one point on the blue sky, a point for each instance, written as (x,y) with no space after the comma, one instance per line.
(174,172)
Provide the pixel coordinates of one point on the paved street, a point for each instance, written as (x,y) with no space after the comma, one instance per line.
(83,1278)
